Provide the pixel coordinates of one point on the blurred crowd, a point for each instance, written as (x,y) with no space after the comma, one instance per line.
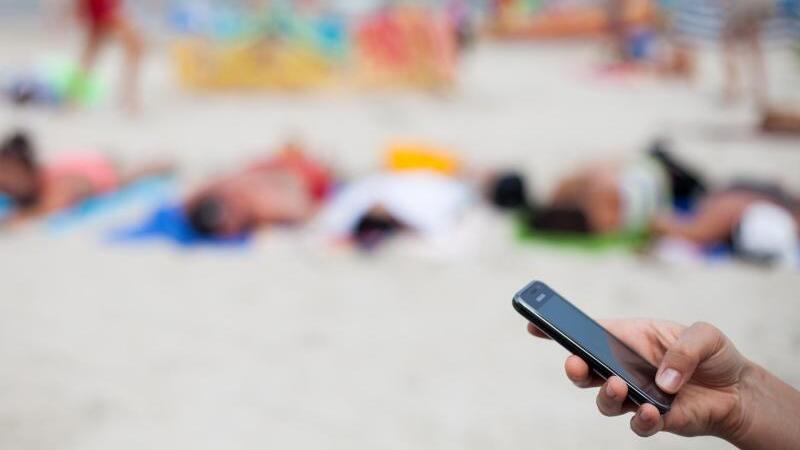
(654,201)
(642,204)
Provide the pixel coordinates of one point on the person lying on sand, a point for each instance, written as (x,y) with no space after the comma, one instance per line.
(760,220)
(370,210)
(38,189)
(286,188)
(617,197)
(781,120)
(423,190)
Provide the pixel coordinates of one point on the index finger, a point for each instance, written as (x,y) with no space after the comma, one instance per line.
(534,330)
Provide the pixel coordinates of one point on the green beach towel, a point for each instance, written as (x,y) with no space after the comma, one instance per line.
(630,241)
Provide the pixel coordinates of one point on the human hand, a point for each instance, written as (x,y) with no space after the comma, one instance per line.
(698,363)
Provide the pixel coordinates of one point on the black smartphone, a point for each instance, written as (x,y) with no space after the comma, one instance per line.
(604,352)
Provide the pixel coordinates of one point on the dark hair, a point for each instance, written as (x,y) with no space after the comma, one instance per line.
(18,148)
(559,219)
(508,191)
(372,229)
(206,216)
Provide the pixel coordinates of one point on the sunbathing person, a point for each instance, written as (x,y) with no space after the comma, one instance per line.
(761,221)
(369,211)
(39,189)
(781,120)
(286,188)
(613,197)
(422,189)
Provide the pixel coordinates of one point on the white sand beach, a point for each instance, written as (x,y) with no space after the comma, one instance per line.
(290,345)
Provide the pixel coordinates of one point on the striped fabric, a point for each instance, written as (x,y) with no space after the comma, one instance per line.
(704,19)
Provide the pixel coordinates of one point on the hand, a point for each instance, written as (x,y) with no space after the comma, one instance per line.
(698,363)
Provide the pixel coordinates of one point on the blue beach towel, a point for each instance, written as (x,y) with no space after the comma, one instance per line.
(169,222)
(6,207)
(145,192)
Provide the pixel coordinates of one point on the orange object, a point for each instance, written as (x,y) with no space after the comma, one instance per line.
(405,157)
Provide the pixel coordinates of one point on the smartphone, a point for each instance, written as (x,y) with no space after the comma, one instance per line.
(578,333)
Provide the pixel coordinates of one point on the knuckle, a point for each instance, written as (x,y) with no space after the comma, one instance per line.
(706,329)
(675,422)
(683,355)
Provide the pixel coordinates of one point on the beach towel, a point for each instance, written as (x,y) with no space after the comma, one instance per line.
(169,223)
(629,241)
(6,206)
(142,193)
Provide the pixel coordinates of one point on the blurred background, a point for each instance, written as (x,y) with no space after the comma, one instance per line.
(300,223)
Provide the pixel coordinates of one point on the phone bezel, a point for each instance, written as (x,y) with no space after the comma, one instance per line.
(635,393)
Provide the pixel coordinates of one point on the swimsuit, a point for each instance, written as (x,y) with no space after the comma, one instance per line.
(100,14)
(96,170)
(644,190)
(317,179)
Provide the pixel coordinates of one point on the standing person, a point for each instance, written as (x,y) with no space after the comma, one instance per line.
(105,20)
(744,20)
(618,28)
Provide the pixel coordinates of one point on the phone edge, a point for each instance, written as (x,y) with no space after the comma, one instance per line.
(598,366)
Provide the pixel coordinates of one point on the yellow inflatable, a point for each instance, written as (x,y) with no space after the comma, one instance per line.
(410,156)
(256,64)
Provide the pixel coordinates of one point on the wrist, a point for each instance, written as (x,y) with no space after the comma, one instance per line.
(766,413)
(740,424)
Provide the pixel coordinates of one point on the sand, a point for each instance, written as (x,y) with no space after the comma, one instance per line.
(289,345)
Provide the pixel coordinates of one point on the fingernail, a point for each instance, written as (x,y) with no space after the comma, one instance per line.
(669,379)
(610,391)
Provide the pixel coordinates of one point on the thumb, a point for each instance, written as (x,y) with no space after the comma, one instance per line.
(696,344)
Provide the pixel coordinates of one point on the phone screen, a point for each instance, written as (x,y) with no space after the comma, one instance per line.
(600,343)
